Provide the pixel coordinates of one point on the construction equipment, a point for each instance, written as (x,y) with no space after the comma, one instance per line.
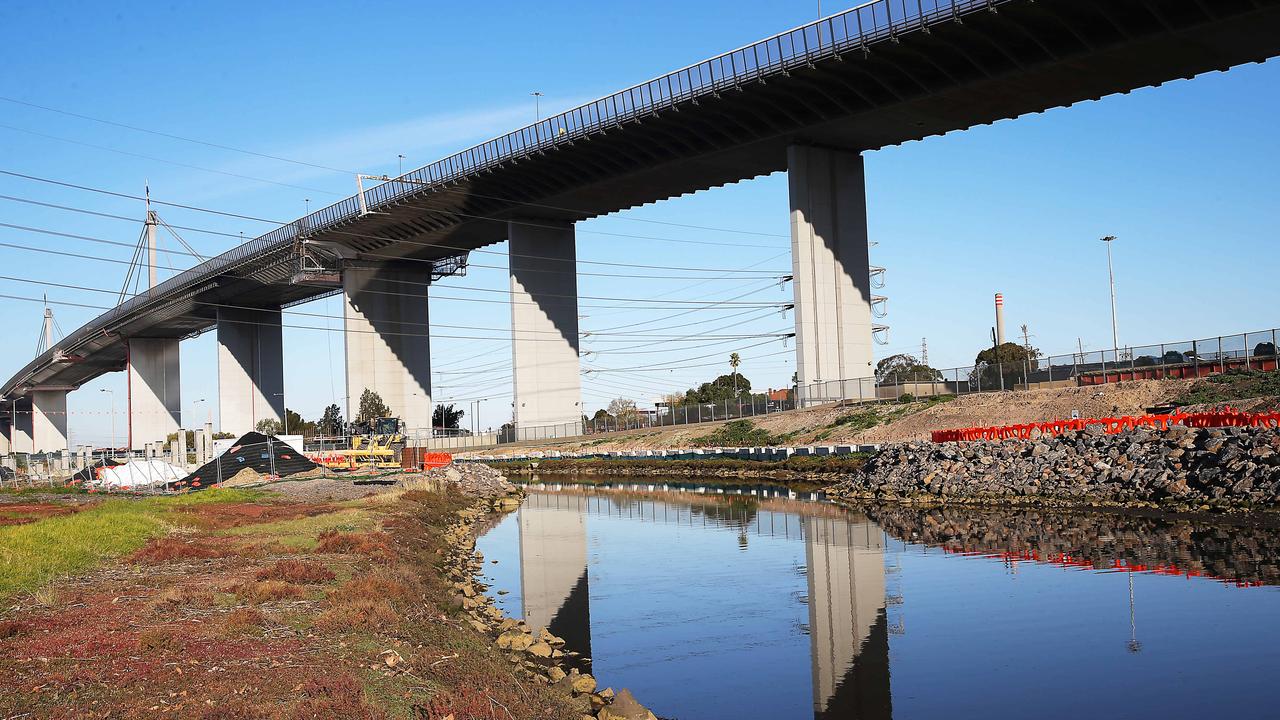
(375,444)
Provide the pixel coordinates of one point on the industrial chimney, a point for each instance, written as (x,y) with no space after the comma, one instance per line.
(999,319)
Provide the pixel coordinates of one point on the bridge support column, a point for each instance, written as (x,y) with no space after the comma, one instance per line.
(830,266)
(388,340)
(49,420)
(250,368)
(544,330)
(6,437)
(155,400)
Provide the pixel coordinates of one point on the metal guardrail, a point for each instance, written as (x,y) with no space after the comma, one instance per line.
(854,29)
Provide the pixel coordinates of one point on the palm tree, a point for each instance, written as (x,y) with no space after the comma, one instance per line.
(734,362)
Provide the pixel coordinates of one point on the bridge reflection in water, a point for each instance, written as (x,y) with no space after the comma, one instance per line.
(845,569)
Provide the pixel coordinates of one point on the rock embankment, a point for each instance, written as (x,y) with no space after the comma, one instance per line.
(1181,469)
(538,656)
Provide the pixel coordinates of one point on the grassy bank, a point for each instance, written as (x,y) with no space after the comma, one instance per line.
(32,554)
(235,605)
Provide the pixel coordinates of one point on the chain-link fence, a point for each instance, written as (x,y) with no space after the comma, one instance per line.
(1183,359)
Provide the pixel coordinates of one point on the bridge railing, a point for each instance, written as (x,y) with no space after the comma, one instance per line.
(854,29)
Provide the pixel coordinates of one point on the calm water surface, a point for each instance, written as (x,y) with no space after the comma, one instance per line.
(770,605)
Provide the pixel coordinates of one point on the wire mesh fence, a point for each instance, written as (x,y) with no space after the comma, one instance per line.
(1181,359)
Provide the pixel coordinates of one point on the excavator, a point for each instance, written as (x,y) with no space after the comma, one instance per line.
(375,444)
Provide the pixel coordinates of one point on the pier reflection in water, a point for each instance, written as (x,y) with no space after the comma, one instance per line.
(753,604)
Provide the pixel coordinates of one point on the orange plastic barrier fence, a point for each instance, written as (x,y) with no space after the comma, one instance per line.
(435,459)
(1112,425)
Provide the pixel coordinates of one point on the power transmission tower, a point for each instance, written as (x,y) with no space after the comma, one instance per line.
(924,351)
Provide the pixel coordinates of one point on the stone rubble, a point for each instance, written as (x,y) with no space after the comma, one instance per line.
(1181,468)
(538,656)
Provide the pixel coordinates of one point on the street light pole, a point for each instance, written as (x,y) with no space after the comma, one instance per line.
(537,107)
(1115,335)
(113,419)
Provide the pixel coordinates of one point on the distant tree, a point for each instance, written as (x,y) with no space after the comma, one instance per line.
(1173,357)
(623,410)
(1004,365)
(725,387)
(1144,361)
(445,416)
(372,406)
(904,367)
(331,421)
(269,426)
(734,362)
(1264,349)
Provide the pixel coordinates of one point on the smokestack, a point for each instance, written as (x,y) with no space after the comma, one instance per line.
(999,319)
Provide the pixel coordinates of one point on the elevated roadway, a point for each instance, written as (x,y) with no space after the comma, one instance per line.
(881,74)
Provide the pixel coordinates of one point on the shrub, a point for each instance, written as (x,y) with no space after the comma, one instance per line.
(165,549)
(375,545)
(267,590)
(362,613)
(737,433)
(244,621)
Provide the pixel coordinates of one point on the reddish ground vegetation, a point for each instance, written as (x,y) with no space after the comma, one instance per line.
(23,513)
(172,548)
(297,571)
(267,590)
(244,621)
(228,515)
(375,545)
(396,585)
(180,597)
(157,639)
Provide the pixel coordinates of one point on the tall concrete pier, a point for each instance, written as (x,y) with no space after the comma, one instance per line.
(387,339)
(250,368)
(544,329)
(155,391)
(829,260)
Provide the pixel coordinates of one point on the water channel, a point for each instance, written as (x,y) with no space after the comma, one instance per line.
(756,602)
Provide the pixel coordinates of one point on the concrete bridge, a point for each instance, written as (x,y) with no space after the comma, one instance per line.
(808,101)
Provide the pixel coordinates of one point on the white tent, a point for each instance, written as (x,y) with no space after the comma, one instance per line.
(139,473)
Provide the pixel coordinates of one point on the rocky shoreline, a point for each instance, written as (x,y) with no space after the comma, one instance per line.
(538,656)
(1182,470)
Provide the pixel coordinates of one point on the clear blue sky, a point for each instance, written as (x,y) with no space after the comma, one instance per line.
(1185,175)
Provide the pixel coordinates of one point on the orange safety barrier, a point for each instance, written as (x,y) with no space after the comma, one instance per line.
(435,460)
(1112,425)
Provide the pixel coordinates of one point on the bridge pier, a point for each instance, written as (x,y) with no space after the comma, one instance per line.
(829,258)
(388,340)
(6,436)
(250,368)
(49,420)
(155,399)
(544,329)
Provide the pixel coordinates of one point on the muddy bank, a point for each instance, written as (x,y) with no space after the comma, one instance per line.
(1182,469)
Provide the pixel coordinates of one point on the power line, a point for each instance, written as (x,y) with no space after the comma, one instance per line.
(367,236)
(167,162)
(279,158)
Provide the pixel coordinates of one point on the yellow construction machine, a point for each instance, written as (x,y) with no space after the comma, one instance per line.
(376,444)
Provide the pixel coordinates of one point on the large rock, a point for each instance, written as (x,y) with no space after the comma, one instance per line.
(625,707)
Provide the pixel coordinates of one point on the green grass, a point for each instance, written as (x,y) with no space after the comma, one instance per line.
(33,554)
(43,490)
(1231,385)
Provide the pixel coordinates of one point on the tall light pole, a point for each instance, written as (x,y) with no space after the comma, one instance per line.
(286,411)
(1111,275)
(113,419)
(537,106)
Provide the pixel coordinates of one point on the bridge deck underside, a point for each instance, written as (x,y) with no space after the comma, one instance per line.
(979,68)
